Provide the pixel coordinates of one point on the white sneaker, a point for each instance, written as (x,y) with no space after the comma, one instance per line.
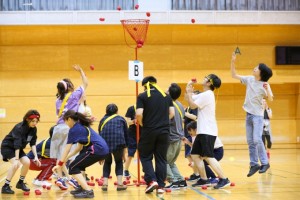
(41,183)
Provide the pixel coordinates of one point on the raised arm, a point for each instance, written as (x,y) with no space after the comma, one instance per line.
(188,96)
(83,77)
(232,67)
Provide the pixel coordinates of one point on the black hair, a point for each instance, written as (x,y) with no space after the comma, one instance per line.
(215,81)
(150,79)
(76,116)
(174,91)
(265,72)
(111,109)
(191,126)
(61,91)
(51,131)
(31,112)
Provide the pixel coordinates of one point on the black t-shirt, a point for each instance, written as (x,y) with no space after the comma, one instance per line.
(132,128)
(156,111)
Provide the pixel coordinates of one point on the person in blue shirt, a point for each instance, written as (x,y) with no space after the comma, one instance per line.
(47,163)
(92,148)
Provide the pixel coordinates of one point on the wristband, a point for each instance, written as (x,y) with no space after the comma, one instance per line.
(60,163)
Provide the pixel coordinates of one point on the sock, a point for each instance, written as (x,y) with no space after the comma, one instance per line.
(21,180)
(7,182)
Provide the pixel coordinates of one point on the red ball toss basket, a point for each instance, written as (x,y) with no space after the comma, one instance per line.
(137,29)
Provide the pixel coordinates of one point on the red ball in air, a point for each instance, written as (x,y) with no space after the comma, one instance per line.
(193,20)
(92,67)
(119,8)
(148,14)
(136,6)
(101,19)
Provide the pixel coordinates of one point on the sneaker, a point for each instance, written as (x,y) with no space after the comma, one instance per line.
(253,170)
(126,173)
(61,184)
(213,181)
(121,187)
(194,177)
(182,184)
(201,182)
(151,186)
(173,186)
(223,182)
(104,188)
(22,186)
(85,194)
(160,190)
(264,168)
(6,189)
(77,190)
(73,183)
(41,183)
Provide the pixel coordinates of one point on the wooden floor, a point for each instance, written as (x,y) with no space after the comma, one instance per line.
(280,182)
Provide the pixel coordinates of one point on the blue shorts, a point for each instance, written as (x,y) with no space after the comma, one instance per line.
(132,145)
(187,148)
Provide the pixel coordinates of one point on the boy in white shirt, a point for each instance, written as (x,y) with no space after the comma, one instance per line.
(207,130)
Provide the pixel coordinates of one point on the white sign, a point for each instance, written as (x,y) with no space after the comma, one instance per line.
(136,70)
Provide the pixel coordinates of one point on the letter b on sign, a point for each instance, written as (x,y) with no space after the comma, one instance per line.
(136,70)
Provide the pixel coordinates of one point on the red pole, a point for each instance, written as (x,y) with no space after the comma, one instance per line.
(137,126)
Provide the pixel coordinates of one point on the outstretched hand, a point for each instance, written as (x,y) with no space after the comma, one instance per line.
(77,67)
(233,57)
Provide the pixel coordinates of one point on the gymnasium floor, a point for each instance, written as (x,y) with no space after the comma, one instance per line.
(280,182)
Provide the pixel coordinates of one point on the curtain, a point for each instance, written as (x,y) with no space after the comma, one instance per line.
(65,5)
(288,5)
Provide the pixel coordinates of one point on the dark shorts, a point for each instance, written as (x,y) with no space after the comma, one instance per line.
(132,145)
(82,161)
(187,148)
(9,153)
(204,145)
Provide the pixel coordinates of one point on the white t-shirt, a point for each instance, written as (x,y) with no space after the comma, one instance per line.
(255,92)
(85,110)
(206,120)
